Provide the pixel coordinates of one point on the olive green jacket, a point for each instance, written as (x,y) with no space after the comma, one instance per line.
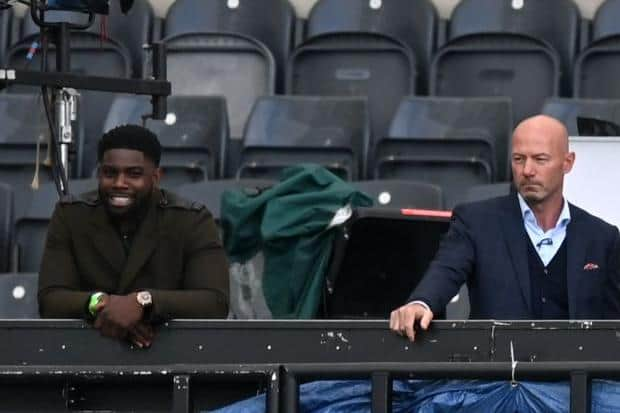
(176,254)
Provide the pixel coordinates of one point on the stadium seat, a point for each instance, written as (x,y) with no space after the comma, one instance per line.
(270,22)
(193,135)
(23,125)
(371,65)
(18,295)
(483,192)
(555,22)
(567,110)
(485,119)
(402,194)
(286,130)
(210,193)
(31,220)
(231,65)
(595,73)
(415,23)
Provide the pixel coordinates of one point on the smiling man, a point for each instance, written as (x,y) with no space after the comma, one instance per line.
(529,255)
(130,254)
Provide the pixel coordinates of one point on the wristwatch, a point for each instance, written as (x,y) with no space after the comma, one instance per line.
(144,298)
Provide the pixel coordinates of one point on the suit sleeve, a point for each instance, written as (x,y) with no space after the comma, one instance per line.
(59,282)
(612,289)
(205,290)
(451,267)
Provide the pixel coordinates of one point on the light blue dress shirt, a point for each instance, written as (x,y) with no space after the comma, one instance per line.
(546,243)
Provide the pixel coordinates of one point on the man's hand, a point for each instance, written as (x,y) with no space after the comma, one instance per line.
(119,316)
(403,319)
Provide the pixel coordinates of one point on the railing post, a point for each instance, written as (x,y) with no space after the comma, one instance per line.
(272,397)
(290,392)
(381,392)
(580,392)
(181,398)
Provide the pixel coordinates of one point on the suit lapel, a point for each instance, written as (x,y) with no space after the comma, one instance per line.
(106,240)
(143,245)
(515,234)
(575,259)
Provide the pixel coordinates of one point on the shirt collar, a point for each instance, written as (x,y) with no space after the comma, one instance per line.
(528,215)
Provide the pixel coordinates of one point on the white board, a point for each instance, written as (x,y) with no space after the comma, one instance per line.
(594,182)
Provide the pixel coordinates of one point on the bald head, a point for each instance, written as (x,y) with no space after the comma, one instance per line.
(540,159)
(544,127)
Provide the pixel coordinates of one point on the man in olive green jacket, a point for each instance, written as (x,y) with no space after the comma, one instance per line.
(130,254)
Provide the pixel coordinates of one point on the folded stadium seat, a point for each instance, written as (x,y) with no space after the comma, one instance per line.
(596,74)
(375,66)
(90,55)
(558,23)
(33,211)
(567,110)
(231,65)
(402,194)
(415,23)
(6,223)
(270,22)
(210,193)
(450,142)
(513,49)
(24,124)
(284,131)
(18,295)
(193,135)
(6,21)
(484,192)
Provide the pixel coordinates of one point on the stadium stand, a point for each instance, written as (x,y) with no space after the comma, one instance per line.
(193,136)
(409,194)
(286,130)
(18,295)
(567,110)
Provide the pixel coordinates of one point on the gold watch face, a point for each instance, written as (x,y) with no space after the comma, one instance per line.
(144,298)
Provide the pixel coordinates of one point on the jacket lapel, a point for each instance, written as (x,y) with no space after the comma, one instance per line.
(575,259)
(143,245)
(515,235)
(106,241)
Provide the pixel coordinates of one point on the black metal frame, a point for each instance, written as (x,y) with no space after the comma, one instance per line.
(284,353)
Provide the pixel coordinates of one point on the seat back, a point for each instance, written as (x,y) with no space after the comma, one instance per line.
(6,21)
(415,23)
(271,22)
(605,21)
(402,194)
(556,22)
(446,118)
(18,295)
(568,110)
(193,135)
(284,130)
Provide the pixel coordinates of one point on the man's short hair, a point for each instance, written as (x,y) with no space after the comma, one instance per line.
(131,137)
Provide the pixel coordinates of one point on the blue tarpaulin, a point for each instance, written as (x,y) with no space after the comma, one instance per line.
(443,396)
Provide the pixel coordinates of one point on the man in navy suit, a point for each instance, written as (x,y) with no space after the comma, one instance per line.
(529,255)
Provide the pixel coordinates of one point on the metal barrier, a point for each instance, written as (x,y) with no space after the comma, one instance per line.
(65,365)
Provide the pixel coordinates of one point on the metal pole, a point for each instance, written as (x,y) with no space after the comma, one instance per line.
(381,392)
(580,392)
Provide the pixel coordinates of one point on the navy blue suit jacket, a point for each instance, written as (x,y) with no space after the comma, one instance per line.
(486,247)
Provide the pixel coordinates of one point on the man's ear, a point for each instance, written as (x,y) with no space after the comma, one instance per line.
(569,161)
(157,173)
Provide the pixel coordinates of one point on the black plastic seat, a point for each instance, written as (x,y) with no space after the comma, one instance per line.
(210,193)
(567,110)
(415,23)
(402,194)
(270,22)
(520,67)
(484,192)
(595,73)
(555,22)
(23,125)
(193,136)
(480,124)
(347,64)
(234,66)
(31,219)
(6,225)
(18,295)
(6,22)
(287,130)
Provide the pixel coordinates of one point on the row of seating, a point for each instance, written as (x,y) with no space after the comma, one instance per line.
(382,50)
